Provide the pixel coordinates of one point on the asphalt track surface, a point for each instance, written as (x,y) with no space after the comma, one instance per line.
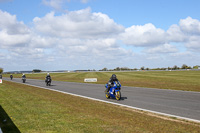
(180,104)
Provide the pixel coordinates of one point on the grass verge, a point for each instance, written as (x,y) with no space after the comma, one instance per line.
(34,109)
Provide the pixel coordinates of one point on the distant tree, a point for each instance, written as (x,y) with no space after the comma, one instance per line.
(184,66)
(117,69)
(1,70)
(36,70)
(175,67)
(104,69)
(169,68)
(147,68)
(125,68)
(195,67)
(135,69)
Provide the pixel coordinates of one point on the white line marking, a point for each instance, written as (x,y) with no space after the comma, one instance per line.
(122,105)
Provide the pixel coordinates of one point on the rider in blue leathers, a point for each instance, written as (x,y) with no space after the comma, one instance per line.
(111,82)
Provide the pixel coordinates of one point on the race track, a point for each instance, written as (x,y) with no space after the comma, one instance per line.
(179,104)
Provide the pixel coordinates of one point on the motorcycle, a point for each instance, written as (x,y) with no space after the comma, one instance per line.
(11,77)
(48,82)
(114,91)
(23,79)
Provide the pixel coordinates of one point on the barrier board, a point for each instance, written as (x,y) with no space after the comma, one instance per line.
(90,80)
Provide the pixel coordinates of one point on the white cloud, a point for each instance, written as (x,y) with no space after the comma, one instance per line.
(78,35)
(12,32)
(190,25)
(56,4)
(38,41)
(189,33)
(175,34)
(193,43)
(59,4)
(154,39)
(84,1)
(83,40)
(81,24)
(91,48)
(146,35)
(166,48)
(10,24)
(28,53)
(16,40)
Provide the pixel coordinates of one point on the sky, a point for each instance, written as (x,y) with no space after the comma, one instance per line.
(94,34)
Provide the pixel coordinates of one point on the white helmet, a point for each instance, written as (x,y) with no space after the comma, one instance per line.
(48,74)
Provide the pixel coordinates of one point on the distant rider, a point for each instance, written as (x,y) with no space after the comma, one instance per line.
(11,76)
(23,76)
(111,81)
(48,77)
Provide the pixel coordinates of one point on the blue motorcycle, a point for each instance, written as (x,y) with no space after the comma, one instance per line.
(114,91)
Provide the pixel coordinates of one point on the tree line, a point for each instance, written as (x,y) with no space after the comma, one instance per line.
(175,67)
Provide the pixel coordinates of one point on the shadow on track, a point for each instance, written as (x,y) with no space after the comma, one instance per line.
(6,123)
(123,98)
(52,85)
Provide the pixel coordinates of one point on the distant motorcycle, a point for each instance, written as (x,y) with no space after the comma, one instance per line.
(11,77)
(23,79)
(114,91)
(48,82)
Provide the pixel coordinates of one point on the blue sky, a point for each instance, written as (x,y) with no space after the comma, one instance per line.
(126,12)
(93,34)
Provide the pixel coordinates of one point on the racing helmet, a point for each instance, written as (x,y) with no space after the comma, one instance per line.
(114,76)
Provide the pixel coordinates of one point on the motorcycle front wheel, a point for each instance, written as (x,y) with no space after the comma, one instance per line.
(107,95)
(118,95)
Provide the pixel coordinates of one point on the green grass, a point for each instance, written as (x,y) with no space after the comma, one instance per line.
(175,80)
(36,110)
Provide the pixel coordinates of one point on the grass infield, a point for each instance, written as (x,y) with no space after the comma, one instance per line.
(35,110)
